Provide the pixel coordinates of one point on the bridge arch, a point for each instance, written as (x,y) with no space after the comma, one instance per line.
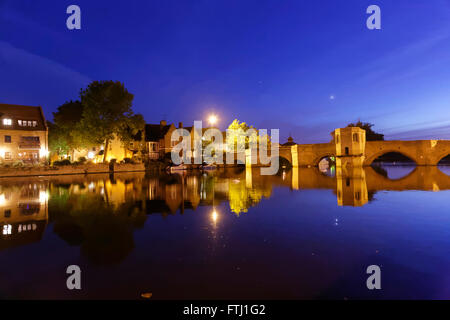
(284,163)
(443,156)
(371,157)
(317,159)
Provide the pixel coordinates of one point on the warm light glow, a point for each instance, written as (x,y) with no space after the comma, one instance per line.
(90,155)
(7,122)
(214,216)
(43,153)
(212,119)
(2,199)
(43,196)
(7,229)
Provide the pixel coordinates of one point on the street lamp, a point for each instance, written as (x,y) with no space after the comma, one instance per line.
(212,119)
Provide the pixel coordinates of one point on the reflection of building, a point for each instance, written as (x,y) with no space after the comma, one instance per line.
(23,213)
(23,134)
(351,187)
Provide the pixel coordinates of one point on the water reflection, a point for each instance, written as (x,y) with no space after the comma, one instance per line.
(100,212)
(23,212)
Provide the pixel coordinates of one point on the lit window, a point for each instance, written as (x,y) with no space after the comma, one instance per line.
(29,123)
(34,123)
(7,229)
(19,122)
(7,155)
(7,122)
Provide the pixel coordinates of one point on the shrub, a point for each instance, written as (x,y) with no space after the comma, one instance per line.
(17,164)
(127,160)
(64,162)
(82,160)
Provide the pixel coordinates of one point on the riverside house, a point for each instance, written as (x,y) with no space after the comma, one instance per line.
(23,134)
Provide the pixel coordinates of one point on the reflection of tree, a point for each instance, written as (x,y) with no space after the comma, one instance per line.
(104,232)
(241,198)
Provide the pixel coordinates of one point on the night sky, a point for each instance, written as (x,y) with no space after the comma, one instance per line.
(305,67)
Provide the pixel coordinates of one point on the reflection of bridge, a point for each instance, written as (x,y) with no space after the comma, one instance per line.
(350,147)
(353,185)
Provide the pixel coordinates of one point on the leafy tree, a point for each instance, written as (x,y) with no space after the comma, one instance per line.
(132,130)
(57,139)
(370,134)
(240,128)
(107,112)
(62,132)
(237,129)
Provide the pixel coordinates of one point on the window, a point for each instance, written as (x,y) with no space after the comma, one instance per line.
(7,155)
(30,139)
(346,150)
(7,139)
(27,123)
(7,122)
(7,213)
(337,138)
(355,137)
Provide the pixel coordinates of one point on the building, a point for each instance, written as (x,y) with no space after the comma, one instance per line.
(158,139)
(23,134)
(116,150)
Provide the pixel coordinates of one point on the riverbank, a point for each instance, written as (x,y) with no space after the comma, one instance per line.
(74,169)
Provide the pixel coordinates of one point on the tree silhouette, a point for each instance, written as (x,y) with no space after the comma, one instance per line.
(370,134)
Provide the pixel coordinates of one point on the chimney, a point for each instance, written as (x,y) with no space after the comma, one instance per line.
(180,124)
(290,140)
(163,123)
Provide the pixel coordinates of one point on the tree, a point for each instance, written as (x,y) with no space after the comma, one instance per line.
(62,132)
(132,129)
(238,128)
(370,134)
(106,112)
(57,139)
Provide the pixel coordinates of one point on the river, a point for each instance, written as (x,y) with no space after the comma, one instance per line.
(228,234)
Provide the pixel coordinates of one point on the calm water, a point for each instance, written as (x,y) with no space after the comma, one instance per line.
(229,234)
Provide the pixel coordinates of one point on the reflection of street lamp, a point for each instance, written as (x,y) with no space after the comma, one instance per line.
(212,119)
(214,216)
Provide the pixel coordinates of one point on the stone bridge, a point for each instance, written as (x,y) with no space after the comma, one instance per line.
(350,148)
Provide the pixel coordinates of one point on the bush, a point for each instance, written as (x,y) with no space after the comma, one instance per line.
(127,160)
(17,164)
(64,162)
(82,160)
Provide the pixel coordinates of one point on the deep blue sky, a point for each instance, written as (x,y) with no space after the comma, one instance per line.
(273,64)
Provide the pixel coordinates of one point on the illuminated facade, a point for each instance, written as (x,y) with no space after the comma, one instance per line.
(23,134)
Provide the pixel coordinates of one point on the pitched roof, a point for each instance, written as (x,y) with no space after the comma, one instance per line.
(18,112)
(155,132)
